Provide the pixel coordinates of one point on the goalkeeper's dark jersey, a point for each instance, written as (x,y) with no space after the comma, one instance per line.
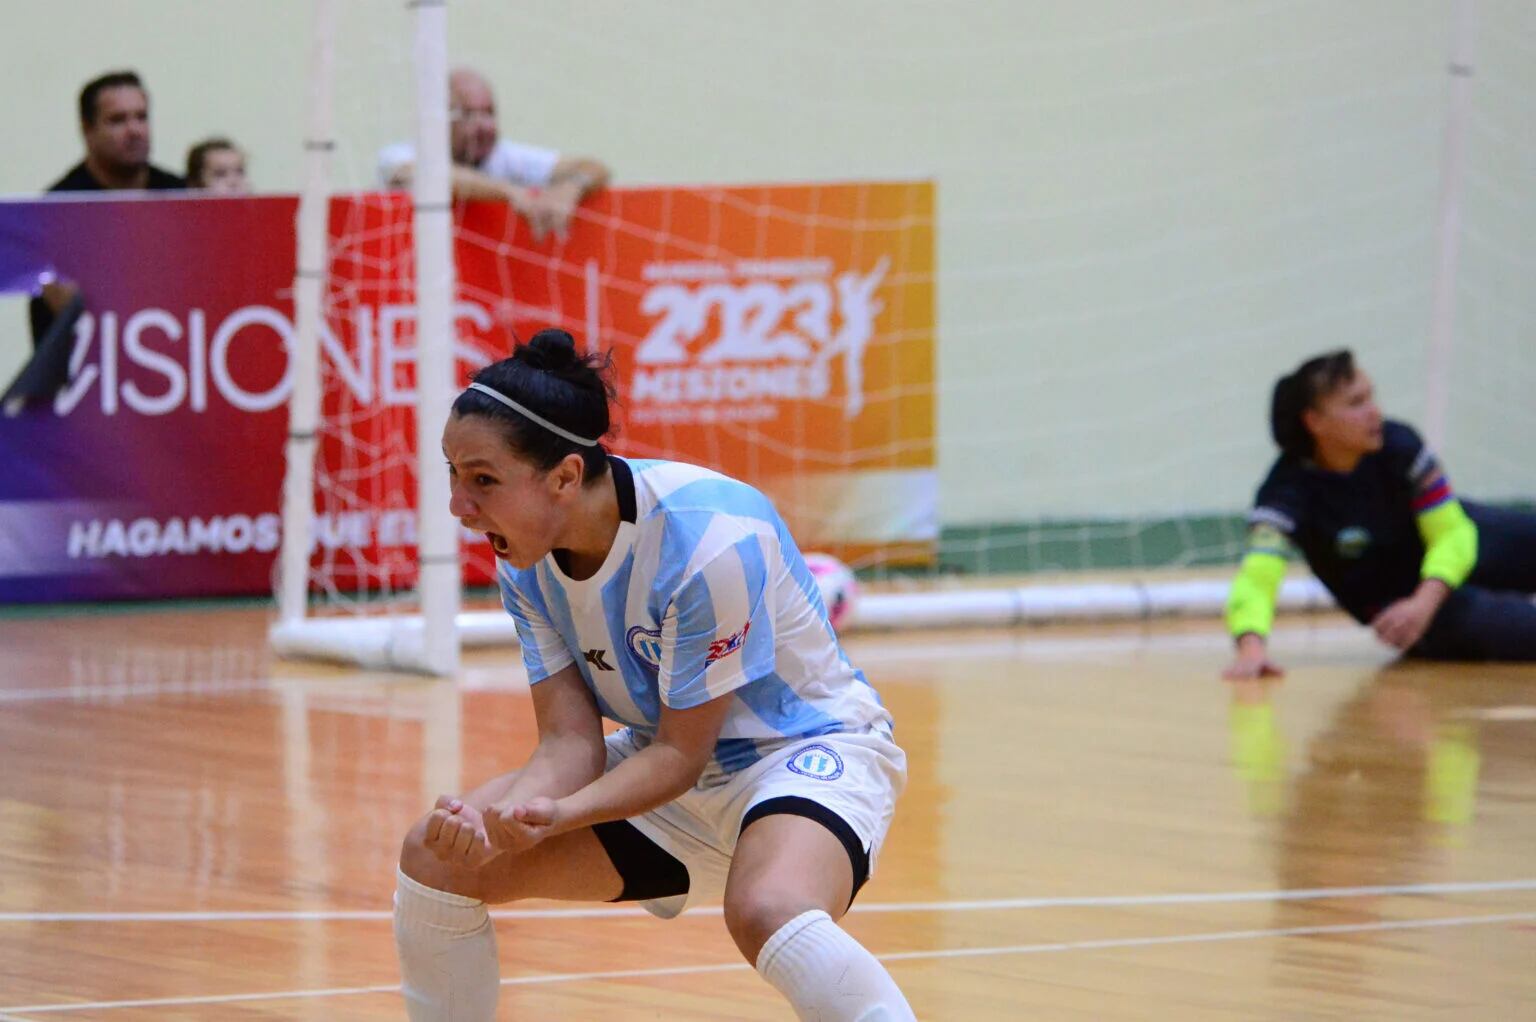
(1358,530)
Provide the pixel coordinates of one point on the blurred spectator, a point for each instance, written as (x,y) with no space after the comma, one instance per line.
(114,122)
(544,187)
(217,165)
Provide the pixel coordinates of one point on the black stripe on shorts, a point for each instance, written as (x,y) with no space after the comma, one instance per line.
(648,870)
(795,805)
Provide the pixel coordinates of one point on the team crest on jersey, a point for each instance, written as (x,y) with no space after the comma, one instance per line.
(722,648)
(1351,543)
(817,761)
(645,643)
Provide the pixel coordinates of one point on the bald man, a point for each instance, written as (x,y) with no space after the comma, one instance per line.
(543,186)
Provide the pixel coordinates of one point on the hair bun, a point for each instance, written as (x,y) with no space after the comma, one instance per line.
(551,349)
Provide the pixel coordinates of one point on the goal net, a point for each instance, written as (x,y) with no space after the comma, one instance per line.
(1035,345)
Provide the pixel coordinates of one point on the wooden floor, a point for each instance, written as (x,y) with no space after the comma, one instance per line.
(1096,828)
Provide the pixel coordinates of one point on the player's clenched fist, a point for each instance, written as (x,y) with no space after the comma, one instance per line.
(456,833)
(518,827)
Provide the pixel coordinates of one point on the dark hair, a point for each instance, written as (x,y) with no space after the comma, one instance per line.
(555,382)
(197,156)
(93,88)
(1294,394)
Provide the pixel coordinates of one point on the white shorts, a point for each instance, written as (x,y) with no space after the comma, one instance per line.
(856,776)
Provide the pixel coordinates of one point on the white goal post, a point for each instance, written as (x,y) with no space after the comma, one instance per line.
(427,642)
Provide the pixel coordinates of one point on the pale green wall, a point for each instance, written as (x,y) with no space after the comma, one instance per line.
(1148,209)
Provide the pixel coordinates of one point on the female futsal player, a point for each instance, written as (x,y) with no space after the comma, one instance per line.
(754,760)
(1373,514)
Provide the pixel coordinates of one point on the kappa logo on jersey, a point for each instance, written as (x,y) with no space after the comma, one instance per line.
(1352,542)
(722,648)
(645,643)
(817,761)
(595,658)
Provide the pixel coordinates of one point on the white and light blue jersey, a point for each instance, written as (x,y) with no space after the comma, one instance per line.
(703,594)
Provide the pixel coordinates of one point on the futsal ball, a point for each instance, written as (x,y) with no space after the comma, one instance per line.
(839,589)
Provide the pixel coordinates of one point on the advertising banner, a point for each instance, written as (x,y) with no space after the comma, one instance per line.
(781,334)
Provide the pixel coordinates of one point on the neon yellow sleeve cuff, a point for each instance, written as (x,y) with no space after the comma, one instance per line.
(1450,541)
(1251,604)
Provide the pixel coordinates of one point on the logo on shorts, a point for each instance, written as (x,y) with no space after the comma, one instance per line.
(817,761)
(645,643)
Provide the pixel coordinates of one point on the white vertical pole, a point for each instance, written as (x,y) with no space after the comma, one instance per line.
(1453,151)
(308,308)
(438,533)
(594,306)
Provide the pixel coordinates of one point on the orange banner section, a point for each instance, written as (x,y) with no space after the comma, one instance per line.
(780,334)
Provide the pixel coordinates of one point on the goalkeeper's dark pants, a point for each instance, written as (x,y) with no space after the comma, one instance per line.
(1492,616)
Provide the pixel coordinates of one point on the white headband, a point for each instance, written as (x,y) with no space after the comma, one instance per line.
(565,434)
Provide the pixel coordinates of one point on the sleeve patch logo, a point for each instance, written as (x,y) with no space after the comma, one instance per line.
(1264,536)
(722,648)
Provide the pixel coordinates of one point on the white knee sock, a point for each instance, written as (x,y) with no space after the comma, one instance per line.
(447,954)
(827,975)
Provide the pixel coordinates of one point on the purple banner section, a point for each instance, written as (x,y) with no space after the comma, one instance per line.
(23,266)
(156,471)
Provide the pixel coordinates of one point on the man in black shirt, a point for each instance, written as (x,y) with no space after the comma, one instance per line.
(114,122)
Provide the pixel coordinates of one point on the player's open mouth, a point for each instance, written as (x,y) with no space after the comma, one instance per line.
(498,544)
